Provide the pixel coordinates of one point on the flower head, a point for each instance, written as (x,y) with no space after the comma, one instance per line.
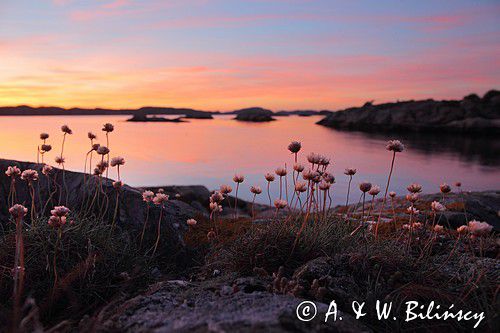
(350,171)
(374,190)
(108,127)
(479,229)
(445,188)
(66,129)
(56,221)
(118,184)
(437,207)
(294,147)
(238,178)
(309,174)
(414,188)
(59,211)
(392,194)
(281,171)
(225,189)
(412,210)
(412,197)
(18,211)
(216,197)
(148,196)
(13,171)
(269,177)
(300,187)
(117,161)
(102,166)
(298,167)
(280,203)
(215,207)
(44,136)
(59,159)
(29,175)
(256,189)
(328,177)
(45,148)
(191,222)
(160,198)
(395,146)
(91,136)
(324,186)
(313,158)
(463,229)
(46,169)
(95,146)
(365,187)
(324,160)
(438,228)
(103,150)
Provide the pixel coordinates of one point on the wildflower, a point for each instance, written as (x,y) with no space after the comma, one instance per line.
(56,221)
(329,178)
(458,184)
(117,161)
(177,195)
(29,175)
(463,229)
(395,146)
(256,190)
(46,148)
(324,160)
(414,188)
(392,194)
(160,190)
(365,187)
(350,171)
(44,136)
(412,210)
(103,150)
(215,207)
(281,171)
(18,211)
(479,228)
(95,146)
(148,196)
(91,136)
(417,225)
(13,171)
(280,204)
(225,189)
(438,228)
(46,169)
(59,159)
(445,188)
(300,187)
(102,166)
(108,127)
(309,174)
(412,197)
(324,186)
(375,189)
(191,222)
(238,178)
(160,199)
(298,167)
(437,207)
(66,129)
(59,211)
(118,184)
(313,158)
(294,147)
(269,177)
(216,197)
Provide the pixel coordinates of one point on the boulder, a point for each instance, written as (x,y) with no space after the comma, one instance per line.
(254,114)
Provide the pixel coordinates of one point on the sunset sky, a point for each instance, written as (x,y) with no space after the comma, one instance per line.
(226,54)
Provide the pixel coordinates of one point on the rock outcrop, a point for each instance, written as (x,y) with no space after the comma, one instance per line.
(254,114)
(472,114)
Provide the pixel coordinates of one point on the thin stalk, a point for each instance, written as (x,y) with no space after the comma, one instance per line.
(145,224)
(269,193)
(158,230)
(385,194)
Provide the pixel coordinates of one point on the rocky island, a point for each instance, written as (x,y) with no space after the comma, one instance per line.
(254,114)
(472,114)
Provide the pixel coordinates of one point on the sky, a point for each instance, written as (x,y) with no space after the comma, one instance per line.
(228,54)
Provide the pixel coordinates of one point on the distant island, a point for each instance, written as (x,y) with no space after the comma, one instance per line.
(472,114)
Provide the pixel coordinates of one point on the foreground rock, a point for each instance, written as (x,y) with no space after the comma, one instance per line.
(254,114)
(471,114)
(179,306)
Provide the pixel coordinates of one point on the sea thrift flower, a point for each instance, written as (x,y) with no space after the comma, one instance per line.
(294,147)
(225,189)
(437,207)
(438,228)
(463,229)
(95,146)
(160,199)
(309,174)
(160,190)
(216,197)
(59,211)
(374,190)
(108,127)
(414,188)
(280,204)
(324,186)
(350,171)
(18,211)
(117,161)
(458,184)
(177,195)
(329,178)
(238,178)
(281,171)
(46,169)
(269,177)
(44,136)
(395,146)
(191,222)
(66,129)
(412,197)
(392,194)
(91,136)
(325,161)
(59,159)
(148,196)
(300,187)
(365,187)
(298,167)
(117,184)
(103,150)
(13,171)
(445,188)
(29,175)
(45,148)
(412,210)
(256,190)
(417,225)
(215,207)
(56,221)
(102,166)
(313,158)
(479,229)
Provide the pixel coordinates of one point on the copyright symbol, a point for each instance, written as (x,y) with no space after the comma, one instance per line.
(306,311)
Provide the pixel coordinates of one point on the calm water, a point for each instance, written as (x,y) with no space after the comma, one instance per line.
(209,152)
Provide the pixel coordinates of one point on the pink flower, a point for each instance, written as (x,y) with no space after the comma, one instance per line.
(374,190)
(294,147)
(365,187)
(13,171)
(298,167)
(60,211)
(300,187)
(445,188)
(314,158)
(438,228)
(95,146)
(59,160)
(392,194)
(216,197)
(29,175)
(45,148)
(160,199)
(102,150)
(269,177)
(46,169)
(44,136)
(117,184)
(280,204)
(91,136)
(117,161)
(191,222)
(66,129)
(108,127)
(56,221)
(463,229)
(395,146)
(479,228)
(412,197)
(329,178)
(225,189)
(256,189)
(238,178)
(18,211)
(350,171)
(324,186)
(215,207)
(412,210)
(281,171)
(148,196)
(414,188)
(437,207)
